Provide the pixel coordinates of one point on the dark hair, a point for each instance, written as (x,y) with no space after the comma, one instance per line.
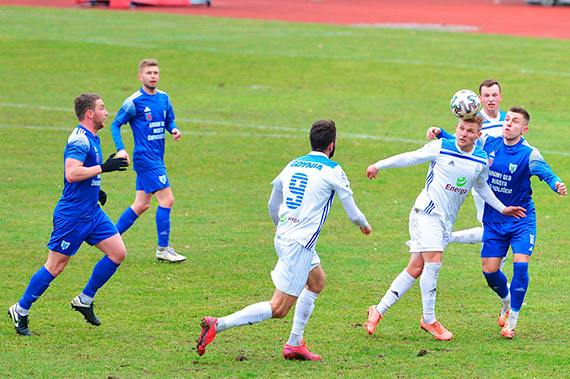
(477,119)
(85,102)
(323,133)
(489,83)
(520,110)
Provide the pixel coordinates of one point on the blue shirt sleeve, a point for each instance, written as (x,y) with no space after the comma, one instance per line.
(77,147)
(125,114)
(542,170)
(170,125)
(444,134)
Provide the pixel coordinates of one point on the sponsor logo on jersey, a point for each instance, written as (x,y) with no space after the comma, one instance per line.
(162,179)
(461,181)
(512,167)
(65,244)
(452,188)
(304,164)
(283,218)
(147,114)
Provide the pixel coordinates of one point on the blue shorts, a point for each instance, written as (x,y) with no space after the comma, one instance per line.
(152,180)
(498,236)
(68,235)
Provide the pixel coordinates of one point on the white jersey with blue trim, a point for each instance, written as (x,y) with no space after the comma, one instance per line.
(493,126)
(308,185)
(451,174)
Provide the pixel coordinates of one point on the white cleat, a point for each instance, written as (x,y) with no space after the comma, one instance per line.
(168,254)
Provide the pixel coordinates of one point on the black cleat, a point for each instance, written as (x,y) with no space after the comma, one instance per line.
(20,322)
(86,311)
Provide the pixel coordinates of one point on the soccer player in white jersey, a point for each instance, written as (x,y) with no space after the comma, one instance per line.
(455,167)
(300,201)
(493,121)
(149,113)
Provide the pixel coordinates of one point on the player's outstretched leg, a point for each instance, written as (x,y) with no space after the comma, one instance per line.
(20,322)
(374,318)
(301,353)
(208,334)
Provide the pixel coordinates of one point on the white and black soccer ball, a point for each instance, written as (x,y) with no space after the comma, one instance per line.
(465,104)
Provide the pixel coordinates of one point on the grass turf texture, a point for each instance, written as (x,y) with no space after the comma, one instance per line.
(245,93)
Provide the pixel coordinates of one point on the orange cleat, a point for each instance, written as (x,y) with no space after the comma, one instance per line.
(208,334)
(373,318)
(299,352)
(502,320)
(437,330)
(507,332)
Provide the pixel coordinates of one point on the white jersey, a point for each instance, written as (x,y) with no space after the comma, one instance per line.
(308,185)
(451,174)
(493,126)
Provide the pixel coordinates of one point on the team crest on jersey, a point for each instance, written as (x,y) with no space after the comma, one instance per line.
(162,179)
(451,163)
(491,158)
(512,168)
(65,244)
(147,114)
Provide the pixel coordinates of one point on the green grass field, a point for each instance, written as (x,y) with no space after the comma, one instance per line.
(245,94)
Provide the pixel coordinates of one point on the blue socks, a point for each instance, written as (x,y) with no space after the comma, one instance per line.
(163,225)
(519,285)
(102,272)
(498,283)
(126,220)
(39,283)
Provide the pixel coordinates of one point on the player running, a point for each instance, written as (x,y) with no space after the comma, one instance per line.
(300,201)
(150,115)
(512,162)
(456,166)
(77,216)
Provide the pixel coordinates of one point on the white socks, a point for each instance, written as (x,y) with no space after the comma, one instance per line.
(428,285)
(513,318)
(252,314)
(303,310)
(399,287)
(473,235)
(84,299)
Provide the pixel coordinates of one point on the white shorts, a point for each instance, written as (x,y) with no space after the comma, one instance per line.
(292,269)
(427,232)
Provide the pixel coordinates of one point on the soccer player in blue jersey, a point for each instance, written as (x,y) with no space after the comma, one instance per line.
(150,115)
(300,201)
(77,216)
(512,162)
(456,166)
(493,121)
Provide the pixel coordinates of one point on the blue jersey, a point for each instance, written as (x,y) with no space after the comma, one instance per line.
(510,169)
(149,116)
(79,199)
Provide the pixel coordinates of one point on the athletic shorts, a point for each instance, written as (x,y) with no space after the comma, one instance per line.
(498,236)
(427,232)
(68,235)
(152,180)
(293,266)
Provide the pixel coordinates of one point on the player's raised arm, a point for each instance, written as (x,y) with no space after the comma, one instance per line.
(424,154)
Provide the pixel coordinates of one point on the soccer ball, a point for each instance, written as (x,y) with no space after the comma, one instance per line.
(465,104)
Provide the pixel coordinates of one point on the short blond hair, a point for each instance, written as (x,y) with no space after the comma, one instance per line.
(146,63)
(477,119)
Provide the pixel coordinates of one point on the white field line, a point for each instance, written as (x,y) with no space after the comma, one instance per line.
(228,123)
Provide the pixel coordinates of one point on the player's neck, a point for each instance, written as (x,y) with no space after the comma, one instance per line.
(149,91)
(512,142)
(90,127)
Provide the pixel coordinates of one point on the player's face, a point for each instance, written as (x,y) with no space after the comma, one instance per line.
(99,114)
(150,77)
(491,98)
(515,126)
(467,133)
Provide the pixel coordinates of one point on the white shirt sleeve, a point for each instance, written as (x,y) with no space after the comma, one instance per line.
(427,153)
(341,184)
(274,203)
(486,192)
(354,214)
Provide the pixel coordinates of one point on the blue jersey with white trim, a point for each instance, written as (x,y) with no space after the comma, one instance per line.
(149,116)
(308,185)
(79,199)
(510,169)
